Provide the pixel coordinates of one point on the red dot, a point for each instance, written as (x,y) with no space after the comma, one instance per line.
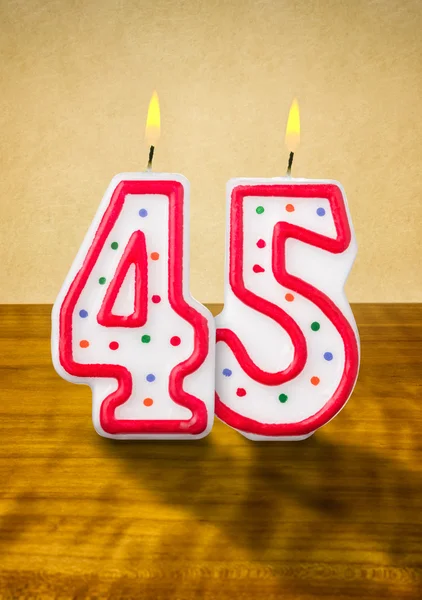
(241,392)
(315,380)
(289,297)
(148,402)
(261,243)
(156,299)
(290,208)
(258,269)
(175,340)
(155,255)
(84,343)
(113,345)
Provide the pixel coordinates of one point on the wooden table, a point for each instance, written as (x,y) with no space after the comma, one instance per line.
(336,516)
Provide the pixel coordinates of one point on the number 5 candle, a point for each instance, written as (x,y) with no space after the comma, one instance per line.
(124,322)
(287,343)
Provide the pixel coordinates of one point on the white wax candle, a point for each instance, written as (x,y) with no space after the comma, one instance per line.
(124,322)
(287,343)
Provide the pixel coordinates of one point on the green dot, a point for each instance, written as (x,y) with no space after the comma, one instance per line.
(146,339)
(114,245)
(102,280)
(282,398)
(315,326)
(260,209)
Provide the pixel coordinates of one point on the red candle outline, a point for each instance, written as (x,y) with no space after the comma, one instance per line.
(283,231)
(198,422)
(135,253)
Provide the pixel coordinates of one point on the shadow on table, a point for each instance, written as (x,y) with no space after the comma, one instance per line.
(344,495)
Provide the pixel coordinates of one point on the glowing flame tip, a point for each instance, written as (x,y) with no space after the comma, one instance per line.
(293,127)
(152,129)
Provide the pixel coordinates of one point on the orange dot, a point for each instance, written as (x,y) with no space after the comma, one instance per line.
(315,380)
(290,208)
(148,402)
(289,297)
(84,343)
(155,255)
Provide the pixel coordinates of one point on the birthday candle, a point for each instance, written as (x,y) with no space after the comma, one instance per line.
(287,344)
(124,322)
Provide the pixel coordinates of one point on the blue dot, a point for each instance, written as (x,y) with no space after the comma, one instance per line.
(143,212)
(150,377)
(320,212)
(227,372)
(328,356)
(83,314)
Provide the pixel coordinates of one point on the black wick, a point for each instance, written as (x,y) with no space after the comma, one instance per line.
(289,164)
(150,157)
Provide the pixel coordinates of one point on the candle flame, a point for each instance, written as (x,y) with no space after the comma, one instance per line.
(293,127)
(152,129)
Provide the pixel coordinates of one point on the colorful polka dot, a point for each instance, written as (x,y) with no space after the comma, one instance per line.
(283,398)
(289,297)
(113,345)
(150,377)
(102,280)
(145,339)
(155,256)
(328,356)
(258,269)
(290,208)
(156,299)
(84,343)
(320,212)
(143,212)
(315,326)
(148,402)
(114,245)
(227,372)
(83,314)
(241,392)
(260,210)
(315,380)
(175,340)
(261,243)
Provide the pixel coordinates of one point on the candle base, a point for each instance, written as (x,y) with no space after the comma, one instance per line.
(266,438)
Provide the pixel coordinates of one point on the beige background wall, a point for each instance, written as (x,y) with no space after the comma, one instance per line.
(75,81)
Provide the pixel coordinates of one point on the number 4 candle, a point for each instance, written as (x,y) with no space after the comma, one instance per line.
(287,343)
(124,322)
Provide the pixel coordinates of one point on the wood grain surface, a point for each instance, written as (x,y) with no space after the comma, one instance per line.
(336,516)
